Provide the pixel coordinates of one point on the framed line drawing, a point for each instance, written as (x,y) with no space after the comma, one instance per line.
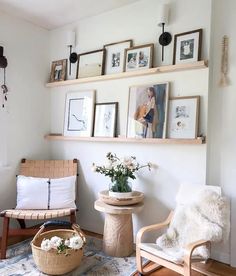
(183,117)
(91,64)
(187,47)
(147,112)
(79,111)
(105,119)
(115,55)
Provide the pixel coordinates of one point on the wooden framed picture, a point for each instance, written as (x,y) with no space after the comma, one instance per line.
(187,47)
(105,119)
(139,57)
(58,70)
(115,56)
(183,117)
(147,112)
(91,64)
(79,112)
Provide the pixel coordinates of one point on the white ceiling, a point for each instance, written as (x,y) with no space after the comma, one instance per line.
(51,14)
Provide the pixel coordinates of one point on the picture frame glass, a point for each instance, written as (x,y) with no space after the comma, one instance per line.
(138,58)
(183,117)
(90,64)
(115,56)
(147,111)
(105,119)
(79,110)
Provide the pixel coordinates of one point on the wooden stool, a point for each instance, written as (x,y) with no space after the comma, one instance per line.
(118,228)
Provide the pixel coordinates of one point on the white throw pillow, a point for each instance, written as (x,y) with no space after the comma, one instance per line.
(62,192)
(32,192)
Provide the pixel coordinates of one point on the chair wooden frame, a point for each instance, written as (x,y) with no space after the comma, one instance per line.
(37,168)
(184,269)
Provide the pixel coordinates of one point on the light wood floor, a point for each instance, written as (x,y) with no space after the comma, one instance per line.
(211,268)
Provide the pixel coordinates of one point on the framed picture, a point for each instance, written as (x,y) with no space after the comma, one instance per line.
(105,119)
(187,47)
(183,117)
(79,111)
(58,70)
(147,112)
(91,64)
(115,56)
(139,57)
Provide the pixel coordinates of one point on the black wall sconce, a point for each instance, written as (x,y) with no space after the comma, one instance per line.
(71,43)
(165,38)
(3,60)
(3,65)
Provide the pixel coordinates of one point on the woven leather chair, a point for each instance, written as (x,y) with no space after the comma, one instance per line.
(37,168)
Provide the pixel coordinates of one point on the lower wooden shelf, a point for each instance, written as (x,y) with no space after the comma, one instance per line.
(60,137)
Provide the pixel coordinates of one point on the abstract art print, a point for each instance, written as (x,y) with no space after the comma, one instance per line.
(105,119)
(187,47)
(183,117)
(79,113)
(115,56)
(147,113)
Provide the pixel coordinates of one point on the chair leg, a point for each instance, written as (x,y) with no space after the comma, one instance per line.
(4,237)
(147,269)
(187,268)
(22,223)
(73,217)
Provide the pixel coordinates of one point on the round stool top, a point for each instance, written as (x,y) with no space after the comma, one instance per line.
(117,210)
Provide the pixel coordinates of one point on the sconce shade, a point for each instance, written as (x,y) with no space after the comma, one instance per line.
(3,60)
(163,15)
(70,39)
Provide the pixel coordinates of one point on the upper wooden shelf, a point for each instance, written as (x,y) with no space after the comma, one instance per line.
(59,137)
(162,69)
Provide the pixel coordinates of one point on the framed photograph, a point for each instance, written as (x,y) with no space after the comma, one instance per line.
(79,111)
(147,112)
(139,57)
(105,119)
(183,117)
(58,70)
(187,47)
(115,56)
(91,64)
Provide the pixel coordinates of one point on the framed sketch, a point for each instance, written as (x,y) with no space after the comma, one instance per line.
(79,111)
(91,64)
(147,112)
(139,57)
(115,56)
(183,117)
(58,70)
(105,119)
(187,47)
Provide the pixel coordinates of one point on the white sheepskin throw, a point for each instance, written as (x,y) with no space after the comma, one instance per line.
(207,218)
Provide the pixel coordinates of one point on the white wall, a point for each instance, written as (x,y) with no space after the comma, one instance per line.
(222,113)
(26,119)
(176,163)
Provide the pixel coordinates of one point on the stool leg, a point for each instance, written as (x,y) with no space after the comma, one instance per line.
(4,237)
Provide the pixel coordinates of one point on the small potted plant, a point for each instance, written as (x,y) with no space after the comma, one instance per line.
(119,171)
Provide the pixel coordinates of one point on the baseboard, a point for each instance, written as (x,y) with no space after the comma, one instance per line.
(221,257)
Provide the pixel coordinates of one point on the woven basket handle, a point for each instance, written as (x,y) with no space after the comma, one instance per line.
(77,229)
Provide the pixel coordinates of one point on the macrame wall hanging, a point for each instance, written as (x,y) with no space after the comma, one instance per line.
(3,65)
(224,81)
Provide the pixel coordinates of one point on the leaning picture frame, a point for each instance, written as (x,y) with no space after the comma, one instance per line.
(187,47)
(147,111)
(183,117)
(79,110)
(105,119)
(58,70)
(91,64)
(115,56)
(139,57)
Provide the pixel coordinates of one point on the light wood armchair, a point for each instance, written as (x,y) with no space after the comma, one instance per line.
(37,168)
(158,262)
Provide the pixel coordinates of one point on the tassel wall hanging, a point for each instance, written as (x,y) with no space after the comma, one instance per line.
(224,81)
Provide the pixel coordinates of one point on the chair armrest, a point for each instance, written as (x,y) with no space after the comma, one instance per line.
(190,247)
(153,227)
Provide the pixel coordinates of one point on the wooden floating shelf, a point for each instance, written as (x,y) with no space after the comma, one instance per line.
(162,69)
(59,137)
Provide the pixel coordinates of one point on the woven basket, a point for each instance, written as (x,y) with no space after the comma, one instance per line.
(50,262)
